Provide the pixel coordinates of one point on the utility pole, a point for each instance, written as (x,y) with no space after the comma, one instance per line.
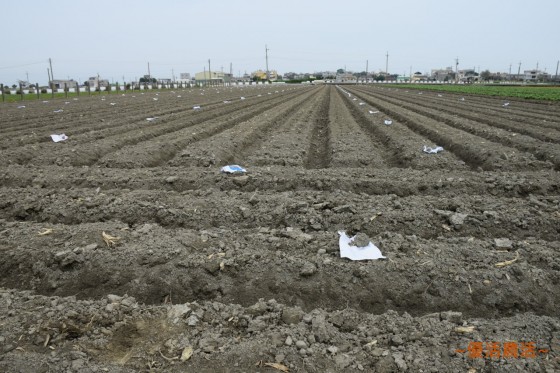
(149,74)
(205,80)
(367,63)
(266,57)
(457,69)
(387,63)
(27,75)
(209,71)
(52,74)
(49,74)
(556,75)
(173,75)
(537,65)
(519,71)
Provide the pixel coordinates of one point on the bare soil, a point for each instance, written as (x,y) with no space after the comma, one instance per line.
(124,249)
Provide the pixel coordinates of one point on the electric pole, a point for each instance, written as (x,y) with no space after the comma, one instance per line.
(556,75)
(387,63)
(457,69)
(367,63)
(266,57)
(52,74)
(519,71)
(149,74)
(209,71)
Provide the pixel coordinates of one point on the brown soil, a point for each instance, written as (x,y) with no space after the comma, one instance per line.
(245,269)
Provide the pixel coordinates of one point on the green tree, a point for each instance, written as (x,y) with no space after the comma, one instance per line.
(485,75)
(340,71)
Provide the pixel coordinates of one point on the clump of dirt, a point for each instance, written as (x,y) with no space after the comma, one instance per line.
(360,240)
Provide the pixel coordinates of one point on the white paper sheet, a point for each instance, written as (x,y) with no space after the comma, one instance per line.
(196,107)
(388,122)
(368,252)
(59,138)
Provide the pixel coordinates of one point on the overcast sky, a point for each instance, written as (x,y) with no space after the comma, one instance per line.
(117,38)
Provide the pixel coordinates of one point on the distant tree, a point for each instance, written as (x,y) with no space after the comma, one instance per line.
(14,86)
(340,71)
(485,75)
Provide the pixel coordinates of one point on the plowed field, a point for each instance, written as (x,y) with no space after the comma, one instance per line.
(244,271)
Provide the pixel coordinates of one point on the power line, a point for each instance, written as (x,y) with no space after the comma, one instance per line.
(27,64)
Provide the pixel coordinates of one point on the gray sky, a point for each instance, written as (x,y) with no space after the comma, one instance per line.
(118,38)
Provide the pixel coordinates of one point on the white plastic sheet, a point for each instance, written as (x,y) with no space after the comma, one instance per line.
(59,138)
(388,122)
(233,168)
(433,150)
(368,252)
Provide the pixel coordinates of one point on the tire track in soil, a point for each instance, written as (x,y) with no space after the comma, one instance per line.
(419,215)
(543,151)
(351,146)
(403,145)
(526,109)
(464,144)
(377,135)
(261,134)
(355,180)
(319,153)
(90,152)
(513,114)
(124,112)
(234,144)
(159,150)
(552,135)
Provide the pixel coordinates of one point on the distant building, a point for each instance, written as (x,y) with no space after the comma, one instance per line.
(418,77)
(261,75)
(443,75)
(212,77)
(184,78)
(467,76)
(63,83)
(535,76)
(345,78)
(94,82)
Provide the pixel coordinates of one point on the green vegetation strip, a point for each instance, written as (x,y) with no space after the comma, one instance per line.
(550,93)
